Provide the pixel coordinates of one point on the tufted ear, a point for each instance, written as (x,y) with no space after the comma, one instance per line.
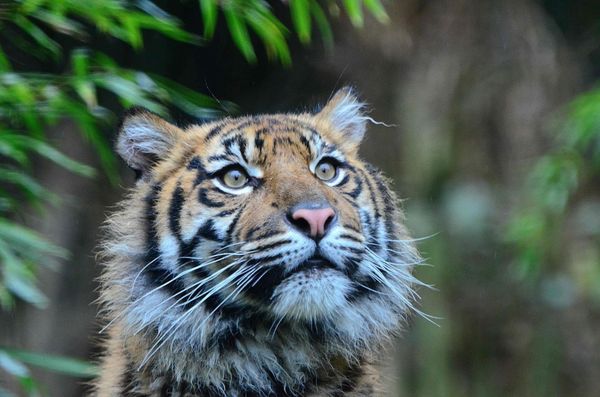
(145,138)
(345,114)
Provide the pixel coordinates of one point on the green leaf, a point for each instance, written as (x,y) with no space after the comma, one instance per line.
(38,35)
(80,61)
(272,34)
(64,161)
(65,365)
(354,10)
(300,10)
(378,11)
(26,290)
(322,24)
(11,151)
(192,102)
(239,33)
(28,242)
(26,184)
(4,63)
(12,366)
(60,23)
(18,278)
(209,16)
(38,146)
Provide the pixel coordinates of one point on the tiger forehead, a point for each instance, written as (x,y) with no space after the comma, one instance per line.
(257,139)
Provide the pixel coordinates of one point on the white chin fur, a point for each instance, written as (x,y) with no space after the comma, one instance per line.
(311,295)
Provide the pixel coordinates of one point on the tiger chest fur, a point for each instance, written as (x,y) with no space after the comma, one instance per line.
(255,256)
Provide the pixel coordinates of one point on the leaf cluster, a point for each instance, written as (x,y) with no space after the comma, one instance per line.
(245,16)
(553,183)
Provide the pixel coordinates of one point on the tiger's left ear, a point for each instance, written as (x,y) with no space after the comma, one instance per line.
(344,112)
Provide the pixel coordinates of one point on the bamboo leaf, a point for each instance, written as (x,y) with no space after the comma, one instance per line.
(322,24)
(239,34)
(355,13)
(37,34)
(377,9)
(12,365)
(28,242)
(61,364)
(209,16)
(300,10)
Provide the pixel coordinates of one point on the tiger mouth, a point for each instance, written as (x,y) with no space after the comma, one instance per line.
(316,262)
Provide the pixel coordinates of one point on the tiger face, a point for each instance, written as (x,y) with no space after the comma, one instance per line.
(271,219)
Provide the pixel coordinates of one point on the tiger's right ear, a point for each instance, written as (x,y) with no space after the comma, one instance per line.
(145,138)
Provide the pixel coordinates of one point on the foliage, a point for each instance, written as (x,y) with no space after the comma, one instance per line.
(240,15)
(14,363)
(554,181)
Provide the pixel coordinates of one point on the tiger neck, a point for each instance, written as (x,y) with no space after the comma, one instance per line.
(244,363)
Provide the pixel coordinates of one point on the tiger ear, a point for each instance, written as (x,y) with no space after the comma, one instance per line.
(144,138)
(345,113)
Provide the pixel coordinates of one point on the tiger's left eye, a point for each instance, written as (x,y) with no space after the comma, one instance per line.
(234,178)
(326,171)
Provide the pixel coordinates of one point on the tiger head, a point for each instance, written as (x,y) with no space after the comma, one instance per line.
(269,219)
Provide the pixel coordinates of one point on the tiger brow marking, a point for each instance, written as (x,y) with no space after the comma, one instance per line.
(216,130)
(236,126)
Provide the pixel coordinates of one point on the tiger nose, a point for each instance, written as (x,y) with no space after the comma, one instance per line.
(313,222)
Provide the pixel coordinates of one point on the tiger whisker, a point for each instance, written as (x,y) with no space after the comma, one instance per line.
(175,325)
(193,287)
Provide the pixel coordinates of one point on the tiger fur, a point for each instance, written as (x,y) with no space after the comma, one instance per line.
(219,291)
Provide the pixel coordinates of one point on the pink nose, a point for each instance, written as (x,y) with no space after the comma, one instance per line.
(317,220)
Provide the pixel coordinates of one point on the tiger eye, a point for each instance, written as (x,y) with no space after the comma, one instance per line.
(326,171)
(235,179)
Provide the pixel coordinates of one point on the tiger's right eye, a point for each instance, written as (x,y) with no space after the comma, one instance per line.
(235,178)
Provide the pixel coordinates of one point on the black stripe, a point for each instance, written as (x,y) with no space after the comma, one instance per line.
(268,280)
(258,143)
(350,237)
(388,199)
(195,163)
(156,273)
(201,175)
(175,211)
(214,132)
(218,157)
(203,198)
(366,287)
(128,382)
(225,213)
(371,193)
(234,221)
(242,144)
(208,231)
(344,180)
(305,142)
(350,227)
(274,245)
(357,190)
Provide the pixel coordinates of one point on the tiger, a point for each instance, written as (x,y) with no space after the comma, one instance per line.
(255,256)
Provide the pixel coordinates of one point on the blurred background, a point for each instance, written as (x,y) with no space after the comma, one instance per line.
(494,148)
